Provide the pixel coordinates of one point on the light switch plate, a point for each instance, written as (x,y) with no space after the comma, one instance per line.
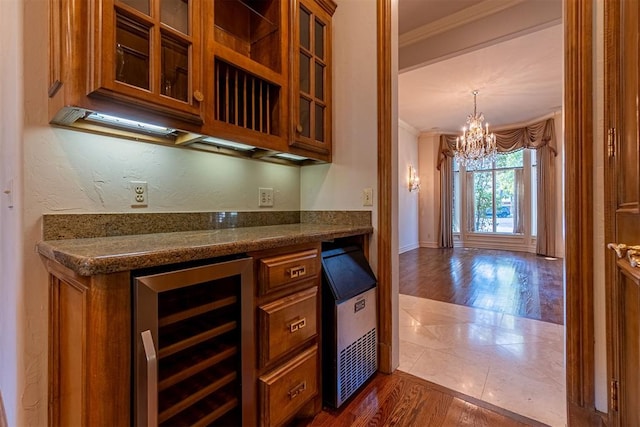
(367,197)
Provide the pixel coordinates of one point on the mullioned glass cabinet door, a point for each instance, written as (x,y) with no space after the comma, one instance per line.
(150,51)
(311,86)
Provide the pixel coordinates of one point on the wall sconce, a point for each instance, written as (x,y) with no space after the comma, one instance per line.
(414,179)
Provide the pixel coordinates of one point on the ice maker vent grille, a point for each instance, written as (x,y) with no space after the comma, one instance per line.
(356,363)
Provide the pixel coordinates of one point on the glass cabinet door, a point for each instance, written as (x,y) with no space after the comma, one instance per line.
(312,79)
(150,51)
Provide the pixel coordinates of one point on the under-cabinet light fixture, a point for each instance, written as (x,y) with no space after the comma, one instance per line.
(129,124)
(293,157)
(228,144)
(414,179)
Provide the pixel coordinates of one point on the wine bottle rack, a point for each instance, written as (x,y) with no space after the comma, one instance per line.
(195,319)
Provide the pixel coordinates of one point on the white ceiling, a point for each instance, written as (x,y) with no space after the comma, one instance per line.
(520,79)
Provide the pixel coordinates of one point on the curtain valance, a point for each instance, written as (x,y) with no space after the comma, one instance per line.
(535,136)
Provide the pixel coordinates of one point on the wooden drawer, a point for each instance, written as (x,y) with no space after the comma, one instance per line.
(285,390)
(279,271)
(286,323)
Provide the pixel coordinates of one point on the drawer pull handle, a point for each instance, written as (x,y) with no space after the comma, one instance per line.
(298,325)
(294,392)
(298,271)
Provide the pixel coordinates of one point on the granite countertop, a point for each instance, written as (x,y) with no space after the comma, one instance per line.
(100,255)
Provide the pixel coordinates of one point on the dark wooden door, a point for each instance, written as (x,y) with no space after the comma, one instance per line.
(622,216)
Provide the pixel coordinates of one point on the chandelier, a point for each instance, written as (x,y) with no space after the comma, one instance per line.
(476,145)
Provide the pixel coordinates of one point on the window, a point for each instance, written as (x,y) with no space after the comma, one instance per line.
(493,198)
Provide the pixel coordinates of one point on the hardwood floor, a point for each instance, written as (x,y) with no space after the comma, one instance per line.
(404,400)
(516,283)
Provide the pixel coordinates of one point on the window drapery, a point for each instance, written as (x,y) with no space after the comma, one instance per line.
(539,136)
(446,206)
(546,239)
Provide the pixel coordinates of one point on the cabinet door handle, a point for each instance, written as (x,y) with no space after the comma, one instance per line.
(152,378)
(199,96)
(298,271)
(294,392)
(299,128)
(295,326)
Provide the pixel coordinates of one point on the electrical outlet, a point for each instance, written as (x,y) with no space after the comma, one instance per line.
(139,194)
(367,197)
(265,197)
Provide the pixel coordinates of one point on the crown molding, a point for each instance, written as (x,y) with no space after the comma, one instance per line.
(409,128)
(458,19)
(433,133)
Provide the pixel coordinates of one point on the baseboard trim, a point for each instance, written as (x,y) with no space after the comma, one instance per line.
(432,245)
(407,248)
(496,245)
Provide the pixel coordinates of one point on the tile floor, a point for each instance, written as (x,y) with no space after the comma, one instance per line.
(512,362)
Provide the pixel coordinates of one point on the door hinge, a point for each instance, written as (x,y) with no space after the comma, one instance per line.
(611,142)
(613,395)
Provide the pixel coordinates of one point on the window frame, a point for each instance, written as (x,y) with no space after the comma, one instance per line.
(467,238)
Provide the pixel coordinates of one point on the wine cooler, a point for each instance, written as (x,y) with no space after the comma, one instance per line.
(193,334)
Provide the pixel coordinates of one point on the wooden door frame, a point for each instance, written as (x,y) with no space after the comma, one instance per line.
(578,184)
(579,228)
(611,120)
(385,190)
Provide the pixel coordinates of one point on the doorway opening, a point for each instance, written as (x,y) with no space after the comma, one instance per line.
(443,339)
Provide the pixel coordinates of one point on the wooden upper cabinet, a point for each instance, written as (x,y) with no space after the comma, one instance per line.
(150,51)
(246,73)
(311,76)
(133,59)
